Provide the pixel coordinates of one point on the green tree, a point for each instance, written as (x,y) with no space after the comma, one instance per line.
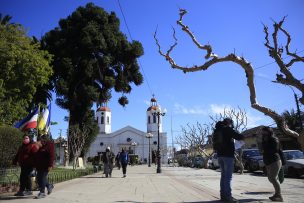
(292,120)
(24,68)
(91,57)
(11,139)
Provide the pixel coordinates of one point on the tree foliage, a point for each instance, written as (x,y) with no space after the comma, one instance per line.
(24,68)
(91,57)
(11,139)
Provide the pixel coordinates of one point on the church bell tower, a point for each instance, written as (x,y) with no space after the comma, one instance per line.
(104,119)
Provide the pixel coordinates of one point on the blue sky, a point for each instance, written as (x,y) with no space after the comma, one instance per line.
(226,25)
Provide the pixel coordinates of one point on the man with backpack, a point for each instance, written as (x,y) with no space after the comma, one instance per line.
(223,144)
(124,159)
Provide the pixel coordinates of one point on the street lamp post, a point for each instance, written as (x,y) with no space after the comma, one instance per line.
(134,145)
(149,136)
(158,113)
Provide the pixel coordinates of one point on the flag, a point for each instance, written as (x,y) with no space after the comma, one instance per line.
(45,119)
(28,122)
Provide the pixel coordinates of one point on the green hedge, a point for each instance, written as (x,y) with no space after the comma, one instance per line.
(11,139)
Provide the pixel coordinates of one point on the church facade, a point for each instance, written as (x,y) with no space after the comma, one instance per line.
(129,138)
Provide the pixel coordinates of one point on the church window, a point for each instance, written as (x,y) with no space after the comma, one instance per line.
(102,120)
(108,120)
(154,118)
(149,119)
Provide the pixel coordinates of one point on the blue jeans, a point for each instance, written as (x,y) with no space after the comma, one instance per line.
(42,180)
(226,165)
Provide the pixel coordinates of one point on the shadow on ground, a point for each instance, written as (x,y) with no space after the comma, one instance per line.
(11,197)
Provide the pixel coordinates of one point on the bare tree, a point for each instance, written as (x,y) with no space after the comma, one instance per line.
(194,137)
(239,117)
(275,51)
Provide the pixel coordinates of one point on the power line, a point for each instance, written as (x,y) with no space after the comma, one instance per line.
(145,76)
(274,61)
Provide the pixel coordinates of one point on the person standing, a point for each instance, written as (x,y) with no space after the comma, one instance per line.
(117,160)
(273,163)
(44,160)
(108,161)
(124,159)
(24,158)
(223,144)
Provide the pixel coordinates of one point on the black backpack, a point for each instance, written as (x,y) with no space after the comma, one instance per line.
(217,139)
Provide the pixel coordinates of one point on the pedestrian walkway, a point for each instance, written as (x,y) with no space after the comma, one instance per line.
(142,184)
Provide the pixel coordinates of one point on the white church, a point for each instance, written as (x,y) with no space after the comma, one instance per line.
(131,139)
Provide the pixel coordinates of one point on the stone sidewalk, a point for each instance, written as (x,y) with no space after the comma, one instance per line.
(174,184)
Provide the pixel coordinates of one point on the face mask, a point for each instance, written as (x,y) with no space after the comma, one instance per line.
(26,141)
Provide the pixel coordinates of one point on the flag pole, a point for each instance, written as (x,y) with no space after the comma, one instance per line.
(37,127)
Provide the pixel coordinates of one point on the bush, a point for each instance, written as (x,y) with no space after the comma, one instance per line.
(11,139)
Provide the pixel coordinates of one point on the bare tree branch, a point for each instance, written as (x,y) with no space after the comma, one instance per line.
(249,71)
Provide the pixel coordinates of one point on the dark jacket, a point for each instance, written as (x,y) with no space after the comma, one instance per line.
(124,158)
(108,157)
(227,150)
(25,155)
(45,156)
(271,150)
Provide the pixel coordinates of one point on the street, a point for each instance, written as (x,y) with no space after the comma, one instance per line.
(174,184)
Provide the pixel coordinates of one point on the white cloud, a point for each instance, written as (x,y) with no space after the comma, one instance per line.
(253,119)
(198,110)
(219,108)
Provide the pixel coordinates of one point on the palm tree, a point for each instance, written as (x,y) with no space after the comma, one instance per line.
(292,119)
(5,20)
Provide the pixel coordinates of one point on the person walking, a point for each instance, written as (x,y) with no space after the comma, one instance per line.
(223,144)
(117,160)
(44,160)
(124,159)
(108,161)
(271,158)
(24,158)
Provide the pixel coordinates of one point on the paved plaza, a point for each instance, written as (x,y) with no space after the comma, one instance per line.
(174,184)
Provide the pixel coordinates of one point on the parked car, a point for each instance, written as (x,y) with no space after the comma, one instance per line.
(214,162)
(198,162)
(250,158)
(253,163)
(294,166)
(250,155)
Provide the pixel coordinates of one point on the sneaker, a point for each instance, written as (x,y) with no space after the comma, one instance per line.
(40,195)
(27,193)
(50,188)
(276,198)
(19,194)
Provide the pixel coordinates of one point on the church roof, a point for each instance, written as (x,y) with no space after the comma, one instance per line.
(153,108)
(104,108)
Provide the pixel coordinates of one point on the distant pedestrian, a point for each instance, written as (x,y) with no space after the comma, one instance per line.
(124,159)
(44,160)
(25,159)
(108,161)
(273,163)
(117,160)
(223,144)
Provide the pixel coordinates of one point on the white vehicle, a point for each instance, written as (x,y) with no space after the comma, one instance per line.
(294,166)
